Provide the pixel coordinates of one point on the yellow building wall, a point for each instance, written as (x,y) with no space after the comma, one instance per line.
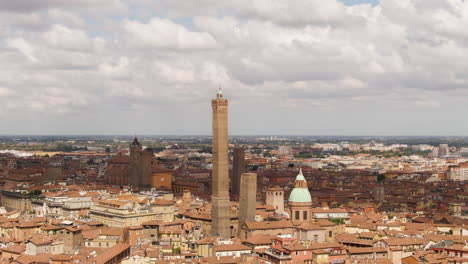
(205,250)
(322,259)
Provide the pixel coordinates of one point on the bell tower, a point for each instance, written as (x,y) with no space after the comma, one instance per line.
(136,150)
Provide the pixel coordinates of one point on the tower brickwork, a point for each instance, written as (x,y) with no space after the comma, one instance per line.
(136,150)
(379,193)
(140,167)
(220,214)
(238,167)
(146,169)
(275,198)
(247,199)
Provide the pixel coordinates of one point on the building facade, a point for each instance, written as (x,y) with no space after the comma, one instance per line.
(458,172)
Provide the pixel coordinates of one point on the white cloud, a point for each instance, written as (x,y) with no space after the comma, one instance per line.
(297,56)
(10,22)
(60,16)
(36,5)
(64,38)
(24,47)
(117,69)
(165,34)
(295,12)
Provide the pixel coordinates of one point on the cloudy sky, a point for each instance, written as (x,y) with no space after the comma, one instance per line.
(308,67)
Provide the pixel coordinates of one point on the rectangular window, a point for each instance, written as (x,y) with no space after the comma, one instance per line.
(297,215)
(305,215)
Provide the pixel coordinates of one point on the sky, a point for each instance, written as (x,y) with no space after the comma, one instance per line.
(288,67)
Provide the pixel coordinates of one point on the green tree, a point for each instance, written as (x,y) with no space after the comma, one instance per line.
(381,178)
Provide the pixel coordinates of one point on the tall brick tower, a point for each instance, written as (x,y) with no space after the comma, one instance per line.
(140,169)
(220,213)
(136,149)
(247,200)
(238,167)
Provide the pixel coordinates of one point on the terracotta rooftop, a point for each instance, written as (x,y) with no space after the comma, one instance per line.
(329,210)
(41,239)
(162,202)
(324,223)
(309,226)
(94,223)
(48,227)
(365,250)
(43,258)
(28,224)
(260,239)
(405,241)
(220,260)
(113,202)
(18,249)
(109,254)
(230,247)
(268,225)
(326,245)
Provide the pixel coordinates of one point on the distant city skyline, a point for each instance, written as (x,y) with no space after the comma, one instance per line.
(345,68)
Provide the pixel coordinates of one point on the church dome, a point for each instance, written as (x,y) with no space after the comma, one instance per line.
(300,194)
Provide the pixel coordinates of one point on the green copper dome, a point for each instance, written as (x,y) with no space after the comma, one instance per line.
(300,195)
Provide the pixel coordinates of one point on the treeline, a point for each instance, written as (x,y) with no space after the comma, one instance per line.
(385,154)
(67,148)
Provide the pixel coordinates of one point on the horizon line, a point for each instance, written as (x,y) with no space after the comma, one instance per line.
(240,135)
